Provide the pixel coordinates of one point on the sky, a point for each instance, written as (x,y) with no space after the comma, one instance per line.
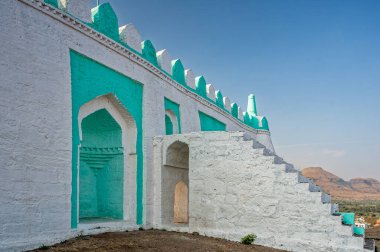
(314,67)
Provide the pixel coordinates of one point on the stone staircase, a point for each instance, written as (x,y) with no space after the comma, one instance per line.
(368,244)
(237,186)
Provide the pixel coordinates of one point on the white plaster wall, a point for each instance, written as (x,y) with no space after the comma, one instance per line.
(35,122)
(234,190)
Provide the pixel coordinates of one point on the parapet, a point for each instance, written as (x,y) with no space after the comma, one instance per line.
(103,19)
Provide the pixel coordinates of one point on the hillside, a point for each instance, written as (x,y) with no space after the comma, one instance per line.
(354,189)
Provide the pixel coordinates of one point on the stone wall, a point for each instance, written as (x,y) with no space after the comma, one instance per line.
(36,116)
(237,187)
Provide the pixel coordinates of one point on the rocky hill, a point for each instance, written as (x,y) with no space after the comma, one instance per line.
(354,189)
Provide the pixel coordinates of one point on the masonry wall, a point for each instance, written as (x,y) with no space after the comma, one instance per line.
(235,190)
(35,120)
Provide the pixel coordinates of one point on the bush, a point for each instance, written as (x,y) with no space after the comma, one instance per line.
(248,239)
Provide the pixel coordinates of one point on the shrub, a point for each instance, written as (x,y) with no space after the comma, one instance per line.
(248,239)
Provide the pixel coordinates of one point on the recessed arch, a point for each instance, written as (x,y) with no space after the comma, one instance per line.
(175,184)
(110,109)
(171,122)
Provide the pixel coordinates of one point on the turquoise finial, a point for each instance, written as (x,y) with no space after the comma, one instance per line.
(251,107)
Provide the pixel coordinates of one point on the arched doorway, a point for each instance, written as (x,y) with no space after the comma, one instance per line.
(175,185)
(107,161)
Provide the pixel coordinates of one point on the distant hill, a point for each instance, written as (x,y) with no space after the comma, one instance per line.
(354,189)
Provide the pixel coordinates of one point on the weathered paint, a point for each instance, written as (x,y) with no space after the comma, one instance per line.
(90,79)
(105,21)
(174,107)
(209,123)
(149,52)
(178,72)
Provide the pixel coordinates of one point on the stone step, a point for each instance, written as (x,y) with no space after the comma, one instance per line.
(369,244)
(326,198)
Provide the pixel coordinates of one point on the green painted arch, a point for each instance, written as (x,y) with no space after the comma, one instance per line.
(105,21)
(149,52)
(219,99)
(200,86)
(235,110)
(168,125)
(89,80)
(178,72)
(101,170)
(175,108)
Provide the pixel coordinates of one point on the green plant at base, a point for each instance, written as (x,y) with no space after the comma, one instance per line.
(248,239)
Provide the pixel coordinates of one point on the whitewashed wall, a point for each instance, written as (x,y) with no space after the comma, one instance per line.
(35,120)
(235,190)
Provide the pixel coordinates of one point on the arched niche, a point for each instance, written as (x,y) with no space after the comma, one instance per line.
(171,122)
(107,130)
(175,185)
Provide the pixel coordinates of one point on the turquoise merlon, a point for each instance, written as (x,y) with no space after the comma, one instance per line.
(235,110)
(219,99)
(359,231)
(348,218)
(200,85)
(54,3)
(105,20)
(178,72)
(149,52)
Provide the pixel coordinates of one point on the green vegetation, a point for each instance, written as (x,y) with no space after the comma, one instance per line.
(248,239)
(370,210)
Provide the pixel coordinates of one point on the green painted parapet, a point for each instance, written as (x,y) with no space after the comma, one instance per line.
(235,110)
(178,72)
(200,85)
(105,21)
(358,231)
(219,99)
(149,52)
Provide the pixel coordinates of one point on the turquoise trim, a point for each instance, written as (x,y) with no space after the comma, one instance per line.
(54,3)
(168,104)
(90,79)
(105,21)
(209,123)
(358,231)
(178,72)
(264,123)
(149,52)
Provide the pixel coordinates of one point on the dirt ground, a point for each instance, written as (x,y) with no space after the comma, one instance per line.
(151,240)
(374,233)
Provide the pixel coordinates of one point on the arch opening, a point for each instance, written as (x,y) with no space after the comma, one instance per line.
(171,122)
(175,185)
(107,161)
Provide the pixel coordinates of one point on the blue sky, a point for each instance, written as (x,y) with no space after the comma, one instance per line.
(314,67)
